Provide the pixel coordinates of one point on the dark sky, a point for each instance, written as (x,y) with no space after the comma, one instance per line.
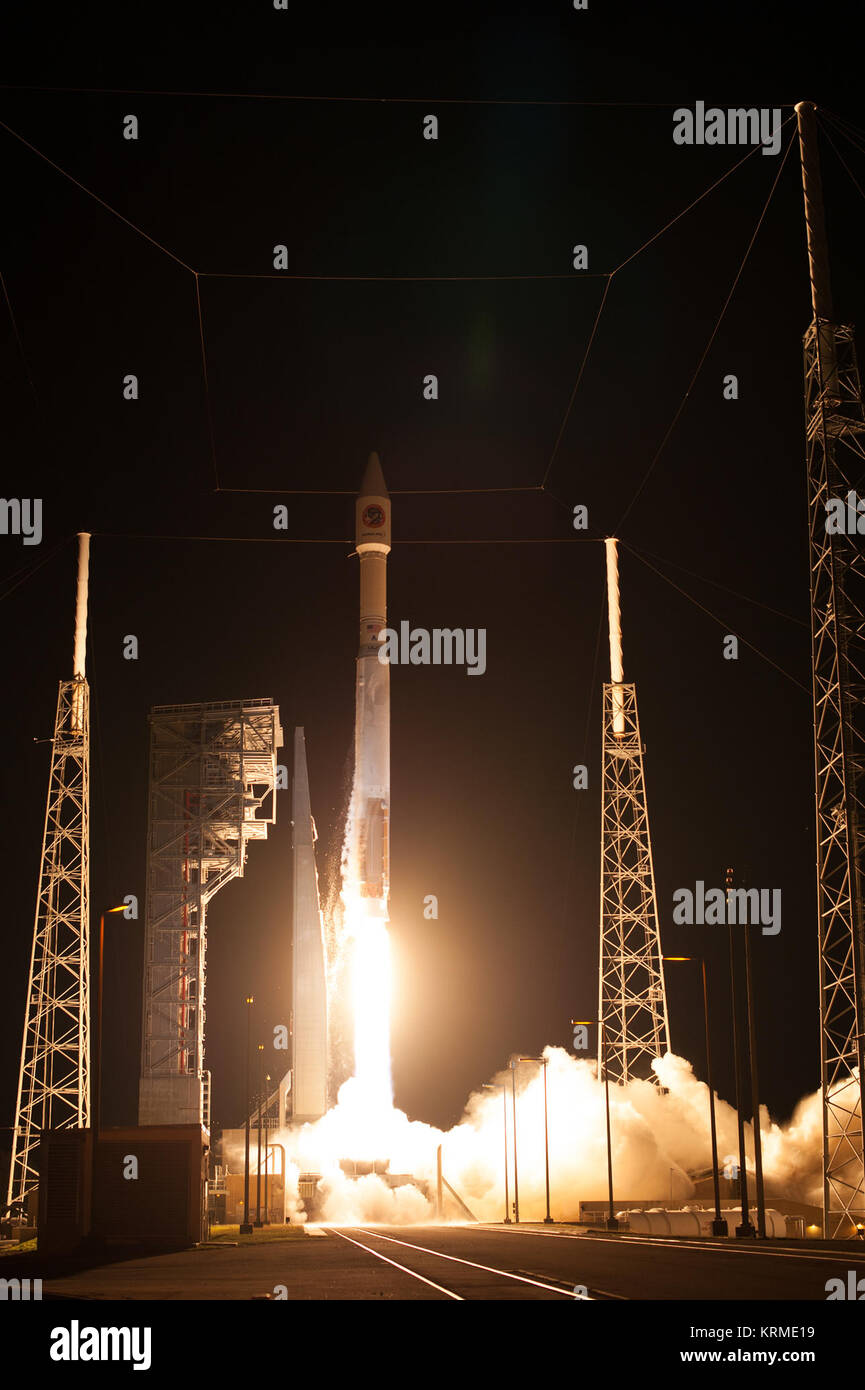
(307,376)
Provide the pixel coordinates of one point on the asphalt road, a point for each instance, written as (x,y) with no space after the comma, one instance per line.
(457,1263)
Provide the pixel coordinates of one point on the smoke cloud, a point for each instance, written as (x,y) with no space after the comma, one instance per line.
(659,1136)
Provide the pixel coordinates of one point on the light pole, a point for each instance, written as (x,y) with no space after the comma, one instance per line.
(258,1162)
(274,1147)
(719,1225)
(96,1103)
(755,1091)
(266,1207)
(543,1061)
(745,1229)
(513,1066)
(491,1086)
(246,1224)
(96,1109)
(612,1224)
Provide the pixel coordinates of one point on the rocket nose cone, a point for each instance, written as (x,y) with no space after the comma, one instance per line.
(373,484)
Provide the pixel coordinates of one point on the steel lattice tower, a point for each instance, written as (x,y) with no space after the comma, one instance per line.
(54,1075)
(835,425)
(632,1004)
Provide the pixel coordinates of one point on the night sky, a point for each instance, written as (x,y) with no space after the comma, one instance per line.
(306,376)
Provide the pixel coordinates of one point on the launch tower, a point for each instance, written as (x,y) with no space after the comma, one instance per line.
(835,425)
(54,1074)
(212,790)
(632,1005)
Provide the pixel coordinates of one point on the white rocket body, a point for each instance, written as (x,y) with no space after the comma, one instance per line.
(369,857)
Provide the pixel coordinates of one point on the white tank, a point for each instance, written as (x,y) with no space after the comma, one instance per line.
(695,1221)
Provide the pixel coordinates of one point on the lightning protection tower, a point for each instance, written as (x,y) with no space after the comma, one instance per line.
(835,426)
(632,1006)
(54,1075)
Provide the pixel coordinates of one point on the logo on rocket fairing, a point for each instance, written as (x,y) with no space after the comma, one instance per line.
(373,516)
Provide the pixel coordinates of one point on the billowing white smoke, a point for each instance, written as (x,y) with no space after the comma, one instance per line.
(656,1137)
(659,1134)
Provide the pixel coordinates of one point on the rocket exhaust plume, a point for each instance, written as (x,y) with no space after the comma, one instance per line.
(365,880)
(654,1130)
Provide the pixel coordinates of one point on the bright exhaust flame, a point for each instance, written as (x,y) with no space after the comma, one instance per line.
(371,992)
(364,945)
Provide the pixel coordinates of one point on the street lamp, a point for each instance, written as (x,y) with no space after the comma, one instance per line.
(543,1061)
(755,1091)
(96,1109)
(273,1148)
(612,1224)
(745,1228)
(719,1225)
(258,1162)
(513,1066)
(492,1086)
(266,1207)
(246,1224)
(96,1085)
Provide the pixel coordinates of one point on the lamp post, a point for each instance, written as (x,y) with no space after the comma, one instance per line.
(274,1147)
(719,1225)
(491,1086)
(266,1207)
(611,1223)
(513,1066)
(543,1061)
(246,1224)
(96,1108)
(258,1161)
(745,1229)
(96,1084)
(755,1091)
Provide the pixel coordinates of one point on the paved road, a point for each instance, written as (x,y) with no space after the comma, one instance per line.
(456,1263)
(492,1262)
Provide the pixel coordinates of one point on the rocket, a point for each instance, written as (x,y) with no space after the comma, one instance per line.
(371,798)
